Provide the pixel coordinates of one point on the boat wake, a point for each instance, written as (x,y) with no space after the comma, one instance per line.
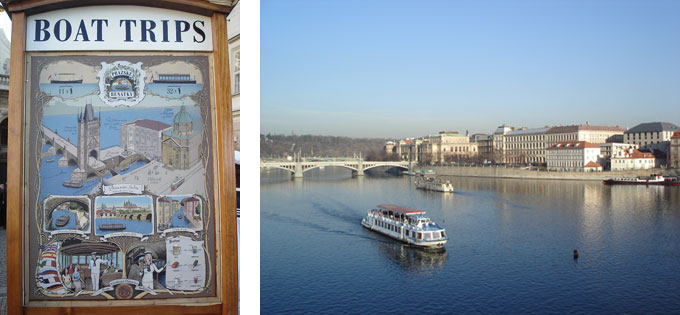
(314,226)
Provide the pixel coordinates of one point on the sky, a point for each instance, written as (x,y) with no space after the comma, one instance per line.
(395,69)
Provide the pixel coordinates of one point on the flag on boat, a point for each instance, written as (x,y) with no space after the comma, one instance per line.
(48,277)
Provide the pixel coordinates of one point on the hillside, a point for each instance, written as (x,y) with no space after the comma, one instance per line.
(280,146)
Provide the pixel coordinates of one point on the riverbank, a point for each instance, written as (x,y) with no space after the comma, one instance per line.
(503,172)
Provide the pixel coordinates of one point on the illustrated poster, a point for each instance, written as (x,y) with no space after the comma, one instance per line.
(120,170)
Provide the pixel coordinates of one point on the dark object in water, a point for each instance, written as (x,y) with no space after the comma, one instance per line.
(575,254)
(62,220)
(105,227)
(73,183)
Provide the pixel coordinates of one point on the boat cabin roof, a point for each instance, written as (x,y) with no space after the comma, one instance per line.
(400,209)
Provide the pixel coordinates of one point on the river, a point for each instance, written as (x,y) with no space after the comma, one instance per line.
(509,250)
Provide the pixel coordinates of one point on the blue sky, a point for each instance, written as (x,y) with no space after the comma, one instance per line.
(409,68)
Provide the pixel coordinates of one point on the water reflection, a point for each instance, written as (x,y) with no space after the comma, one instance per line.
(411,258)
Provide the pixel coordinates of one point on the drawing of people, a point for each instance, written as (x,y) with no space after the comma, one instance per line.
(94,264)
(149,269)
(76,279)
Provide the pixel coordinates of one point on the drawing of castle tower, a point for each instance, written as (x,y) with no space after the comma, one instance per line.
(88,137)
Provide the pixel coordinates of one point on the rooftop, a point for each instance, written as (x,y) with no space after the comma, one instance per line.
(575,128)
(527,131)
(653,127)
(150,124)
(399,209)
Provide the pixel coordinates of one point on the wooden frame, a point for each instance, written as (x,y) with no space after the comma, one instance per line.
(224,185)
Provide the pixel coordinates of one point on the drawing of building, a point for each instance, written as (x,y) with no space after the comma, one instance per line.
(143,136)
(180,146)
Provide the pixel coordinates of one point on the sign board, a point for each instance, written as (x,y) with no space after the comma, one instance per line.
(118,28)
(121,185)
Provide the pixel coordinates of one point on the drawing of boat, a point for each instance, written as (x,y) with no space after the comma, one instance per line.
(62,220)
(50,159)
(121,84)
(178,181)
(179,216)
(173,78)
(61,78)
(116,226)
(73,183)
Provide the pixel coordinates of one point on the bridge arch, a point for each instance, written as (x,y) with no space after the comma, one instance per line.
(72,162)
(282,168)
(148,217)
(386,165)
(60,152)
(332,165)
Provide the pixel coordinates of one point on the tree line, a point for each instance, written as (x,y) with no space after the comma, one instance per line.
(282,146)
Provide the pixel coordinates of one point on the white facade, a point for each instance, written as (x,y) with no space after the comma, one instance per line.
(632,160)
(144,137)
(571,156)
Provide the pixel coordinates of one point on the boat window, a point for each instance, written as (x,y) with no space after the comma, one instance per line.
(420,236)
(435,235)
(413,234)
(443,235)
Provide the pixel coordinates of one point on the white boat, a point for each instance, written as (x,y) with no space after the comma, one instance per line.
(431,183)
(406,225)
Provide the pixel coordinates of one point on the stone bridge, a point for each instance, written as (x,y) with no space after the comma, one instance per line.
(357,166)
(61,146)
(139,216)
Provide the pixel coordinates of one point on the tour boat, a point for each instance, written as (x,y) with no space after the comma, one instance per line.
(115,226)
(406,225)
(64,78)
(431,183)
(653,179)
(62,220)
(173,78)
(178,181)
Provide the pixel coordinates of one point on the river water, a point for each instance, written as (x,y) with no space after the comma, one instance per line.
(509,250)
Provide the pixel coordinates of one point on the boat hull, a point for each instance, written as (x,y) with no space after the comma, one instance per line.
(655,183)
(424,244)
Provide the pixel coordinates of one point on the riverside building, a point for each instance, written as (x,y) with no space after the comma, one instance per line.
(525,145)
(572,156)
(632,160)
(652,135)
(587,132)
(674,152)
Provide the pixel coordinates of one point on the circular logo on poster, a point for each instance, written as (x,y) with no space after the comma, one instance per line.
(121,83)
(124,291)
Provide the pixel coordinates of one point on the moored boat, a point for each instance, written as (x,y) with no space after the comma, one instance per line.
(73,183)
(62,220)
(406,225)
(653,179)
(115,226)
(432,183)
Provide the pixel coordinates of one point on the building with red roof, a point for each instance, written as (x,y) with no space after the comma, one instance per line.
(632,159)
(143,136)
